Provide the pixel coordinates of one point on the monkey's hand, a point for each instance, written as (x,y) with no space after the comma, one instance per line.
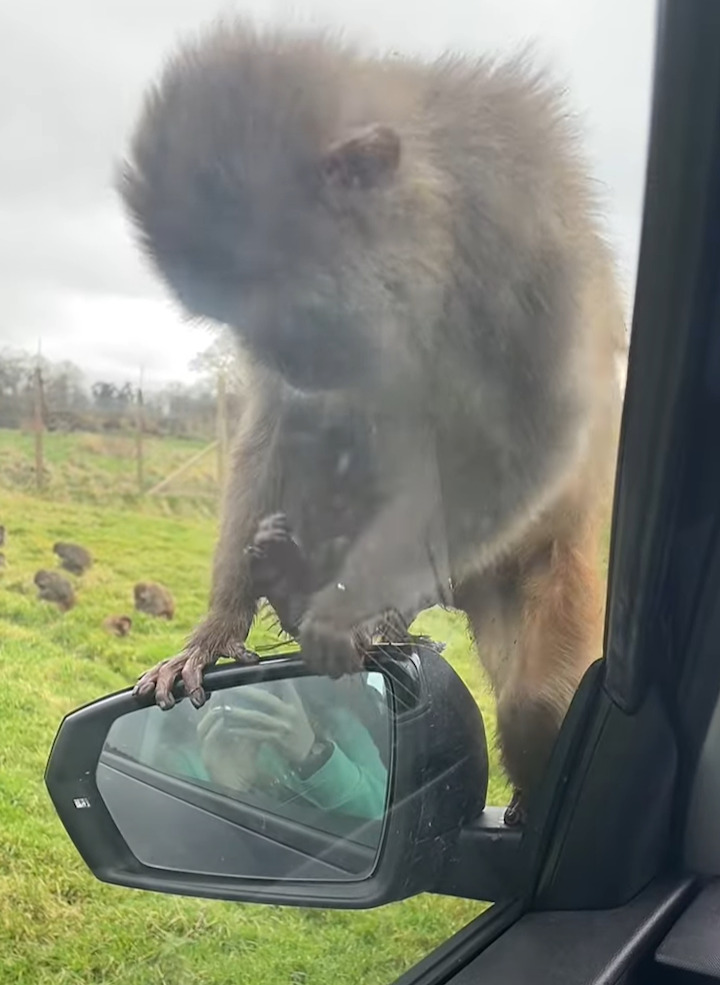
(330,649)
(209,642)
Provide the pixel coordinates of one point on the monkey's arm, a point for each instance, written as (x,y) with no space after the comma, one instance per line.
(400,564)
(233,598)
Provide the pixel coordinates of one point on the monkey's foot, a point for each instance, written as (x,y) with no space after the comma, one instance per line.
(279,571)
(189,666)
(515,814)
(276,559)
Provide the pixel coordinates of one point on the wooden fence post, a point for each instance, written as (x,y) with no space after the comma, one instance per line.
(39,428)
(139,431)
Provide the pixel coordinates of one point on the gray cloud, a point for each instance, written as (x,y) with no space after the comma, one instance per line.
(72,75)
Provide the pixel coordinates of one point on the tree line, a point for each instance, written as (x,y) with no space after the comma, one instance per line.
(68,400)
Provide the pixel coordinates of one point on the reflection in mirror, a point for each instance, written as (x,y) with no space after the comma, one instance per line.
(282,779)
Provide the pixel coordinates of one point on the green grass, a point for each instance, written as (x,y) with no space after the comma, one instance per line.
(101,469)
(57,923)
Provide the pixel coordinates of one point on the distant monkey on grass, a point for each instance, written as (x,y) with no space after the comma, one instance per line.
(73,557)
(429,323)
(118,625)
(55,588)
(154,599)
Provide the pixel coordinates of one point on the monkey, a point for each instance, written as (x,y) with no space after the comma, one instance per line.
(410,257)
(154,599)
(73,557)
(280,573)
(54,588)
(118,625)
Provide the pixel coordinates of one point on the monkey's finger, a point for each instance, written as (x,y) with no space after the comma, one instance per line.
(275,521)
(146,682)
(191,675)
(146,685)
(238,652)
(166,677)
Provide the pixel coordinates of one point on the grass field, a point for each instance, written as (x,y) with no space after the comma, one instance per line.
(101,469)
(57,923)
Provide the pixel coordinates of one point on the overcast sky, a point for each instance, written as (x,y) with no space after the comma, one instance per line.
(71,77)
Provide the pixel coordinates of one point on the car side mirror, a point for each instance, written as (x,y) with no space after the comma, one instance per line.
(285,788)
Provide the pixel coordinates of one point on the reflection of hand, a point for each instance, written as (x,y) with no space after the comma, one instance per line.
(266,717)
(229,757)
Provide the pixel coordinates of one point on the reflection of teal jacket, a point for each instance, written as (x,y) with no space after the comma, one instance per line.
(353,781)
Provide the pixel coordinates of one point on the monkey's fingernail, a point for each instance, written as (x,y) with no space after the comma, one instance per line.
(197,697)
(165,704)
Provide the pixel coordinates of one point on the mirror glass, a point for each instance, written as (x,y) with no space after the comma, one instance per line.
(284,779)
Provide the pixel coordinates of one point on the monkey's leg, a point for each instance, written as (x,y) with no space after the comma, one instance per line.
(398,566)
(559,634)
(233,600)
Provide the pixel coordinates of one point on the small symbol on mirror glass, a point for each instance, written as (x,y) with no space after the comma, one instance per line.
(81,802)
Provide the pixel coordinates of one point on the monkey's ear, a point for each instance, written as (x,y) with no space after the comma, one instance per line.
(364,159)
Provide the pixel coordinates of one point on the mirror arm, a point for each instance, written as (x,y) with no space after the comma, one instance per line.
(486,862)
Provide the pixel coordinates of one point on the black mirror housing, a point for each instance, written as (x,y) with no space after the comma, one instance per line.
(437,783)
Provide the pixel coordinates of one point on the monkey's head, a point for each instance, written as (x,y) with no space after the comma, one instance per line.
(119,625)
(43,579)
(143,593)
(275,191)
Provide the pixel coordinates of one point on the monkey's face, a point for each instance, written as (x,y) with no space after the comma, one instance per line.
(142,594)
(264,210)
(43,579)
(310,332)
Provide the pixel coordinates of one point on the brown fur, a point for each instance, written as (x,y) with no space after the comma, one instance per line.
(409,257)
(52,587)
(154,599)
(118,625)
